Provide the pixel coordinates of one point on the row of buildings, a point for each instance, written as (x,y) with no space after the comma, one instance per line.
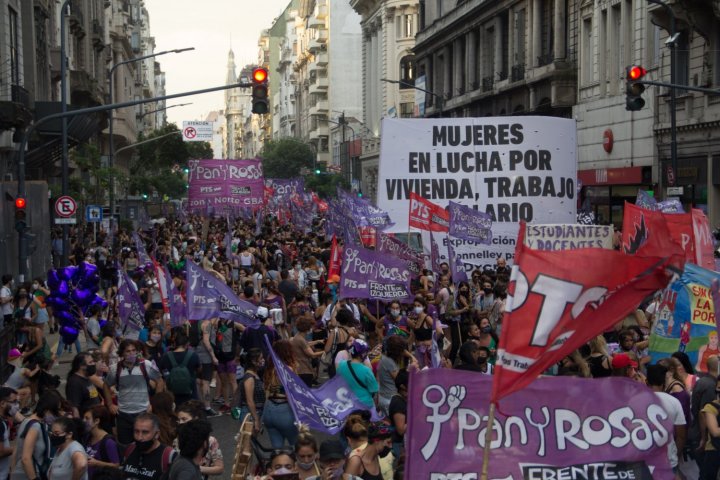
(338,67)
(101,36)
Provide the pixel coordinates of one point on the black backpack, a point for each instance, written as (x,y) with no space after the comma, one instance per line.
(180,380)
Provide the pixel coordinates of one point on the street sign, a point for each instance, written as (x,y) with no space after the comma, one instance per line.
(65,206)
(65,221)
(675,191)
(197,131)
(93,213)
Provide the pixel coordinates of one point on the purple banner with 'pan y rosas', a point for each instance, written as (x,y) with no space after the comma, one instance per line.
(384,243)
(219,185)
(559,427)
(286,187)
(209,297)
(470,224)
(373,275)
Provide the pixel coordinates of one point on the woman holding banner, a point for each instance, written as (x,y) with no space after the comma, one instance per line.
(277,415)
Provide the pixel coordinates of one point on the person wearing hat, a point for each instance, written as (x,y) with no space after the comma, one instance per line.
(624,366)
(255,337)
(19,379)
(331,459)
(359,376)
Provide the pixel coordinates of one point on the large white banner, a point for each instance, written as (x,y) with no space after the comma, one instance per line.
(513,168)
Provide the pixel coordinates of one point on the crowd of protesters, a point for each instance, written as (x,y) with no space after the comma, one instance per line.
(136,403)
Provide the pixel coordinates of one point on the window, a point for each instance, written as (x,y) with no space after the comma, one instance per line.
(653,58)
(682,61)
(409,23)
(14,47)
(519,37)
(407,110)
(587,52)
(407,72)
(546,32)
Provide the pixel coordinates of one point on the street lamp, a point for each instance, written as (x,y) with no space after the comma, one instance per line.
(410,85)
(111,153)
(64,132)
(155,111)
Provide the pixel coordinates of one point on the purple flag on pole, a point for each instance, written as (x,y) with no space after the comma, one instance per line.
(209,297)
(370,274)
(456,265)
(143,256)
(323,409)
(557,427)
(470,224)
(286,187)
(130,307)
(384,243)
(176,304)
(434,255)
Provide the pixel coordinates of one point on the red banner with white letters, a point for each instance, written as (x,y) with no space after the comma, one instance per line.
(425,215)
(557,301)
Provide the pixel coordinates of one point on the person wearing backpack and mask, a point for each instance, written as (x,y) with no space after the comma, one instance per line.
(179,367)
(32,458)
(101,447)
(70,461)
(146,458)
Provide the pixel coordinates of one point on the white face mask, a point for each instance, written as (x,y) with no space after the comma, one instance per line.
(419,310)
(35,286)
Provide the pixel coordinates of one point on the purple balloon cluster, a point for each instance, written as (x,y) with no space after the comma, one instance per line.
(73,291)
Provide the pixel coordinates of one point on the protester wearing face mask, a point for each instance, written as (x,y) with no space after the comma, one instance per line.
(147,458)
(133,377)
(154,344)
(487,337)
(101,447)
(38,293)
(212,463)
(393,322)
(9,407)
(306,450)
(70,461)
(6,300)
(422,326)
(80,390)
(32,457)
(193,440)
(331,460)
(365,462)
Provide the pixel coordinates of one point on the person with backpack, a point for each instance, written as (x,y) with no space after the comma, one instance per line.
(9,407)
(224,345)
(133,378)
(32,456)
(179,368)
(70,459)
(101,447)
(146,458)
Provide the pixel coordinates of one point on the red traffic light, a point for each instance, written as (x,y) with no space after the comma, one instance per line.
(20,202)
(635,72)
(260,75)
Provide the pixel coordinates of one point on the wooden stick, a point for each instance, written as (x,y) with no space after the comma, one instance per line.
(488,440)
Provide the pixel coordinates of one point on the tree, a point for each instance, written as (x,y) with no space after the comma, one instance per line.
(284,158)
(326,185)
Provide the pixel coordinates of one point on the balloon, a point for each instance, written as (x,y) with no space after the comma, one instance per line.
(53,280)
(69,273)
(68,335)
(87,270)
(57,303)
(64,317)
(81,296)
(63,289)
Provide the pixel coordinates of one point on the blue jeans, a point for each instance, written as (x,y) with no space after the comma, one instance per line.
(279,421)
(61,346)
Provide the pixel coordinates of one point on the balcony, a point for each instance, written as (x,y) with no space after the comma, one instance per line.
(517,73)
(320,85)
(321,59)
(321,9)
(316,22)
(320,108)
(487,84)
(315,68)
(545,59)
(98,35)
(318,43)
(502,76)
(76,21)
(15,109)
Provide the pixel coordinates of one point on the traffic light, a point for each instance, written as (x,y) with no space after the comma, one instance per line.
(359,193)
(260,91)
(20,214)
(145,196)
(634,89)
(317,171)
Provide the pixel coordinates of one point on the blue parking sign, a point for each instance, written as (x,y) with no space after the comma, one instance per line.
(93,213)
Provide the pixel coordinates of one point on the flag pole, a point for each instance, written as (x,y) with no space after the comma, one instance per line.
(488,440)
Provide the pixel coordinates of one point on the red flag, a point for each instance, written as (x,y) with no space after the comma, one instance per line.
(703,239)
(425,215)
(321,204)
(557,301)
(335,263)
(162,286)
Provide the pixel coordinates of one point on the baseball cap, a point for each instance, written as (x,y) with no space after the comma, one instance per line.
(331,450)
(13,354)
(622,360)
(262,312)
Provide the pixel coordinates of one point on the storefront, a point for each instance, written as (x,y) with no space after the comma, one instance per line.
(692,178)
(605,191)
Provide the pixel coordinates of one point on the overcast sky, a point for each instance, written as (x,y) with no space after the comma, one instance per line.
(212,27)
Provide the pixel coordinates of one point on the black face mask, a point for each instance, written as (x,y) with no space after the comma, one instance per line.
(384,452)
(90,370)
(144,445)
(487,291)
(481,360)
(487,329)
(57,440)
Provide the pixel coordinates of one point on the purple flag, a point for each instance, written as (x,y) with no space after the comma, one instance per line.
(228,245)
(143,256)
(434,255)
(456,265)
(323,409)
(370,274)
(558,427)
(130,307)
(209,297)
(470,224)
(176,304)
(286,187)
(384,243)
(363,213)
(220,185)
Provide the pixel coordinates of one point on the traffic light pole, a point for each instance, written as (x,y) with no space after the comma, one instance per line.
(22,245)
(674,87)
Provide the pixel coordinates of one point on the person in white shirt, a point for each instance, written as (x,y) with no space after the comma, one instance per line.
(656,375)
(6,300)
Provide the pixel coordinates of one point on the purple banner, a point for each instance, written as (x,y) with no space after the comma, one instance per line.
(364,213)
(434,255)
(370,274)
(324,408)
(130,307)
(219,185)
(384,243)
(209,297)
(470,224)
(286,187)
(670,205)
(457,267)
(544,431)
(176,303)
(142,254)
